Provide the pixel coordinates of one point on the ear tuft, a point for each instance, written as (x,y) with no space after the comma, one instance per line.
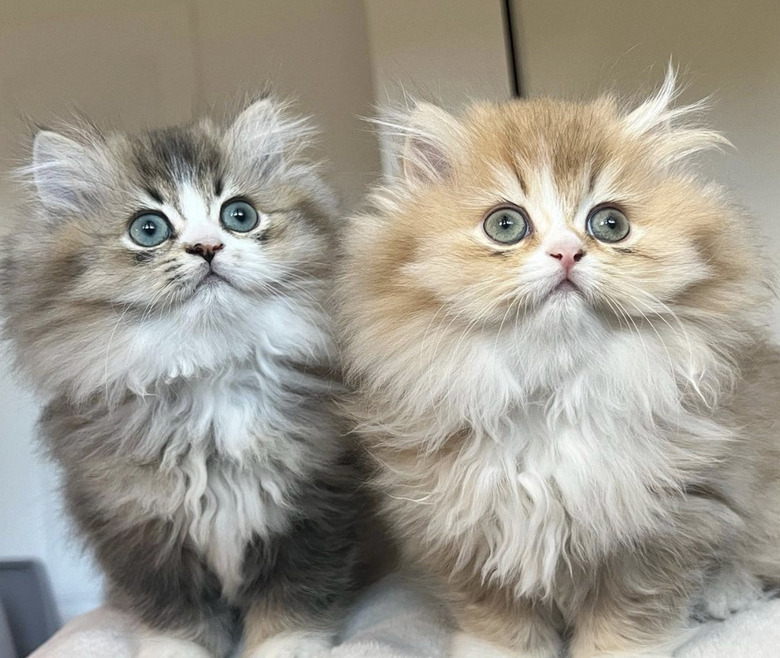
(59,169)
(676,132)
(266,133)
(656,110)
(425,138)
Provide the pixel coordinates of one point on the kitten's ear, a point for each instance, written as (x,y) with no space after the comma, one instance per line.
(655,113)
(266,132)
(60,169)
(426,138)
(676,132)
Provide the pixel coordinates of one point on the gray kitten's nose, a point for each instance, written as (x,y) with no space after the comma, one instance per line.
(206,250)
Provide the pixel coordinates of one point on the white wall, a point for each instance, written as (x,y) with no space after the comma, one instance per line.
(725,49)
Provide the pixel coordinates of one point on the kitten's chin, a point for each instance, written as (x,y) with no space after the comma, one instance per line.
(565,287)
(212,280)
(565,297)
(563,306)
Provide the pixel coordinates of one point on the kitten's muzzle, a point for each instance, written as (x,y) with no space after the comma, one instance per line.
(206,250)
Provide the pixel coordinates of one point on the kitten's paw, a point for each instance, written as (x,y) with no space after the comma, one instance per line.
(633,654)
(297,644)
(465,645)
(159,646)
(731,590)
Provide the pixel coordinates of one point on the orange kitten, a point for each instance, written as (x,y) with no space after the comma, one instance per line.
(555,330)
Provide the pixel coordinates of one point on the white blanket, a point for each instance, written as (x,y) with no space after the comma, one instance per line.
(393,620)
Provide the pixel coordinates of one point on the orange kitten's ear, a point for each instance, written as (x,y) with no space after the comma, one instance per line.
(425,139)
(675,132)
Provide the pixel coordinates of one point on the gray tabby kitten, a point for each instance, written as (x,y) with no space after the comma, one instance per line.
(164,293)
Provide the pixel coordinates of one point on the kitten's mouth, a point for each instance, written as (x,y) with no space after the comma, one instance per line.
(566,286)
(210,279)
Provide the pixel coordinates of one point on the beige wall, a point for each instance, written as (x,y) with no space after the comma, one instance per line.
(729,50)
(442,50)
(445,51)
(149,63)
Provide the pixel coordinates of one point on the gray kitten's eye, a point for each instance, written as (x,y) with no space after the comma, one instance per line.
(607,224)
(506,224)
(238,216)
(149,230)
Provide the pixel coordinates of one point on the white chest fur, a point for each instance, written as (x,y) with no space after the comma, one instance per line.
(522,507)
(234,466)
(573,478)
(567,443)
(225,506)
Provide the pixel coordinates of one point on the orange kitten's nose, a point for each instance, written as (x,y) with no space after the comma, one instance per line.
(568,256)
(205,249)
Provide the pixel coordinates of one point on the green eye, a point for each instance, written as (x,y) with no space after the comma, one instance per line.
(149,230)
(239,216)
(608,224)
(506,225)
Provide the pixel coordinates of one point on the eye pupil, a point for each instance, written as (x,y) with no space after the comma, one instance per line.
(506,225)
(608,224)
(239,216)
(149,230)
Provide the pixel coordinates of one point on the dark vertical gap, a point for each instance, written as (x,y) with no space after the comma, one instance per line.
(511,50)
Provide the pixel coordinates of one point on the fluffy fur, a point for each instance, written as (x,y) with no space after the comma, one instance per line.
(189,401)
(597,460)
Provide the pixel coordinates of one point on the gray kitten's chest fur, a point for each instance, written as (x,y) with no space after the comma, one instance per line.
(222,505)
(219,458)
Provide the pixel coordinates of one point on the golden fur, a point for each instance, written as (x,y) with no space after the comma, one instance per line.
(599,462)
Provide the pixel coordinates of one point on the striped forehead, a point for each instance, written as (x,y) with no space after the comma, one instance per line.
(175,158)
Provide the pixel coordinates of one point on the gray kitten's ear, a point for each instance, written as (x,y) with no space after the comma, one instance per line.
(426,137)
(61,169)
(266,133)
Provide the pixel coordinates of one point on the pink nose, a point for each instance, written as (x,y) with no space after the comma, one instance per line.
(206,250)
(568,256)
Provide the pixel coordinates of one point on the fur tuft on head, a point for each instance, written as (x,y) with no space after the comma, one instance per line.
(675,131)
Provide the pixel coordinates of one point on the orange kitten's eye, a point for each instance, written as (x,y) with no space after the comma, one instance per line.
(607,224)
(506,224)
